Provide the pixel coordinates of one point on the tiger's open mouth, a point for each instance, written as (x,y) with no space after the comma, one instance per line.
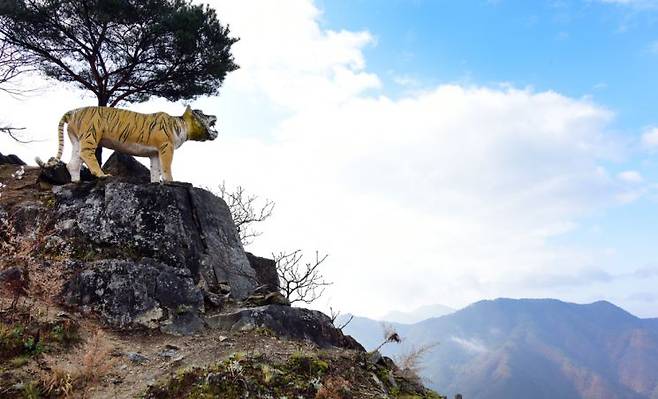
(212,131)
(208,122)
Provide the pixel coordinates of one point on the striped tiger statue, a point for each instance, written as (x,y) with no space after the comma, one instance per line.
(146,135)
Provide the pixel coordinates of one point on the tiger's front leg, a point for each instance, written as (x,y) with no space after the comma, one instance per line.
(88,155)
(166,155)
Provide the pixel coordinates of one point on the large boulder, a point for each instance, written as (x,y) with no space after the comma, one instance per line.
(178,225)
(288,322)
(126,167)
(10,159)
(138,255)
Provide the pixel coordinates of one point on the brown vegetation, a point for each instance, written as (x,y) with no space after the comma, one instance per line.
(80,370)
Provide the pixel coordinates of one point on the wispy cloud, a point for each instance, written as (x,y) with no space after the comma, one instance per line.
(650,138)
(630,176)
(406,81)
(641,4)
(584,277)
(471,345)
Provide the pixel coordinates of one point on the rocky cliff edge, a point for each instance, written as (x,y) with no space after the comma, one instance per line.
(118,287)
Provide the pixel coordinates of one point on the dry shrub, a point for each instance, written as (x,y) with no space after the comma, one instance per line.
(45,279)
(410,362)
(59,381)
(82,369)
(334,388)
(390,335)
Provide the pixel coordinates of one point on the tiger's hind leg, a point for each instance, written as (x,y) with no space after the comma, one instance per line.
(76,162)
(156,170)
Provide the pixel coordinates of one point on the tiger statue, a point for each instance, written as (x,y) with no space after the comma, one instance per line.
(146,135)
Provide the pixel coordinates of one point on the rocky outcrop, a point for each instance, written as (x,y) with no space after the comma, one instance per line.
(178,225)
(10,159)
(126,167)
(288,322)
(143,255)
(138,255)
(138,293)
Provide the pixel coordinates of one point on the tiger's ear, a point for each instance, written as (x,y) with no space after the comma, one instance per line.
(188,110)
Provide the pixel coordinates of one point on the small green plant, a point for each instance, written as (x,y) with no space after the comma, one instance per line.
(302,363)
(19,361)
(31,391)
(65,333)
(268,373)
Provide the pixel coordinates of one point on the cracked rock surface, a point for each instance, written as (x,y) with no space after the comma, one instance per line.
(138,255)
(178,225)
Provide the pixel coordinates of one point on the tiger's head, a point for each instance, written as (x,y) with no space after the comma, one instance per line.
(202,125)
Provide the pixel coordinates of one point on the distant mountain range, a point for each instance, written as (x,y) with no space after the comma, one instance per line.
(532,348)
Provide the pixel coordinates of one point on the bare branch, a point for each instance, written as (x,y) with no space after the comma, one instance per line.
(246,210)
(13,63)
(11,132)
(300,281)
(334,318)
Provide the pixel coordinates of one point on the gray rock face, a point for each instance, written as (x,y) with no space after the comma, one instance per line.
(128,294)
(179,225)
(265,271)
(287,322)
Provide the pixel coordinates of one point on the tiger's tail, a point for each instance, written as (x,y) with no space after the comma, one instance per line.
(60,136)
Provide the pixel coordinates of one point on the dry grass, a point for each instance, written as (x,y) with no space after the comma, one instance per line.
(411,361)
(80,370)
(44,279)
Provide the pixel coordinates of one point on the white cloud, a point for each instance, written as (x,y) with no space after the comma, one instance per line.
(406,81)
(438,196)
(630,176)
(650,138)
(635,4)
(631,2)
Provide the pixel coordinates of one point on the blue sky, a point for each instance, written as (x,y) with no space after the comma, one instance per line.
(438,151)
(605,51)
(578,48)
